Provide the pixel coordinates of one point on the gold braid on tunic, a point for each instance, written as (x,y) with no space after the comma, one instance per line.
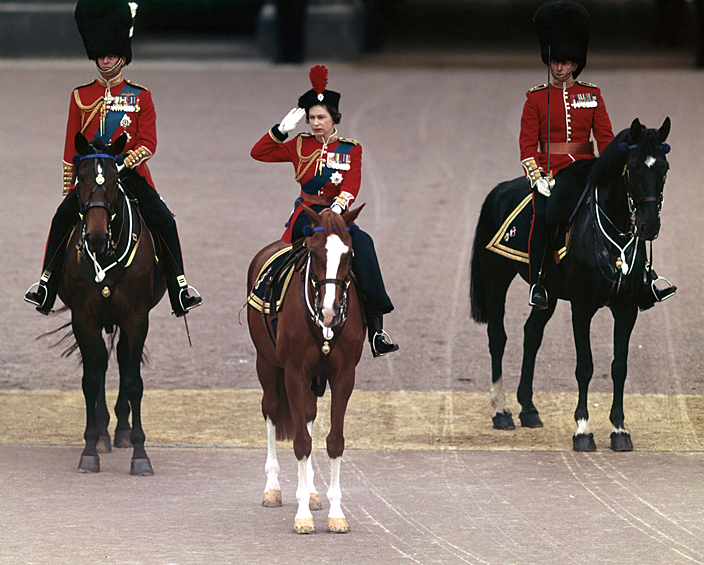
(307,161)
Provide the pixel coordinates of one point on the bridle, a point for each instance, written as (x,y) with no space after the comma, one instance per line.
(634,202)
(99,184)
(309,281)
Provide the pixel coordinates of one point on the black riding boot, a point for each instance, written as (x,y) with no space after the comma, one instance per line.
(48,286)
(649,294)
(159,218)
(181,300)
(536,253)
(380,341)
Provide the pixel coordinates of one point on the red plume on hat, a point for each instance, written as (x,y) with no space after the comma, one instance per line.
(319,78)
(318,94)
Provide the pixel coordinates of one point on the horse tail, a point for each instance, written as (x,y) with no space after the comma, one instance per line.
(282,418)
(477,284)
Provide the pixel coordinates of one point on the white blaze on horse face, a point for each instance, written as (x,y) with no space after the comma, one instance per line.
(650,161)
(335,250)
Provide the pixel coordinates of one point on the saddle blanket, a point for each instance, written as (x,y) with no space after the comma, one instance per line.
(273,280)
(512,238)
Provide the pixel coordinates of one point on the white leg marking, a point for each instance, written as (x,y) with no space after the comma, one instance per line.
(272,465)
(335,492)
(498,398)
(583,427)
(309,468)
(335,249)
(616,430)
(302,492)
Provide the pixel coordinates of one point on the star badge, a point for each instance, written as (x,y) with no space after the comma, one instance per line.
(336,178)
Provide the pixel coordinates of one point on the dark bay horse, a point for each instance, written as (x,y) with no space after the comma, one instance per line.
(109,282)
(605,266)
(318,337)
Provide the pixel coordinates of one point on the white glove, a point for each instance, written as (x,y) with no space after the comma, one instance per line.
(291,120)
(543,186)
(336,208)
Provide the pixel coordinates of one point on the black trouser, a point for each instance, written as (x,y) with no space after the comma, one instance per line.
(365,265)
(537,238)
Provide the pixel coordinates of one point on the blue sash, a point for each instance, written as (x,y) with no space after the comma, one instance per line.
(113,118)
(318,181)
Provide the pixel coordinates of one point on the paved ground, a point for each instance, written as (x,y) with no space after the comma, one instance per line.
(435,141)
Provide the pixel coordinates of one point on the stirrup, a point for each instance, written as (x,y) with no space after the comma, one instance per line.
(665,293)
(386,344)
(36,299)
(538,304)
(196,302)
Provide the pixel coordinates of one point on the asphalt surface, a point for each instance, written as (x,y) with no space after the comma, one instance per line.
(436,140)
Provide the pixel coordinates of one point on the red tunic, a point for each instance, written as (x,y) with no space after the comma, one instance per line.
(575,113)
(139,122)
(309,158)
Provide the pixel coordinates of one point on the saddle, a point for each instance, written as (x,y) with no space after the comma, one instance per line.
(267,294)
(511,240)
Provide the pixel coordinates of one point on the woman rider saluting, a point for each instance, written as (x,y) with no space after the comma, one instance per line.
(329,170)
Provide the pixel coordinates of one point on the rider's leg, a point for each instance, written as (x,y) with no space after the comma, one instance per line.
(47,287)
(536,253)
(159,217)
(375,299)
(649,294)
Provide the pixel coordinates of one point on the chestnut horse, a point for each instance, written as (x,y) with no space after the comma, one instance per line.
(318,337)
(108,282)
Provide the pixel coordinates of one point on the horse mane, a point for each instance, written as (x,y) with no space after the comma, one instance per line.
(332,222)
(610,162)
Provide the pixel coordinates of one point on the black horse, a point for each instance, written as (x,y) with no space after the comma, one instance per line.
(616,209)
(110,281)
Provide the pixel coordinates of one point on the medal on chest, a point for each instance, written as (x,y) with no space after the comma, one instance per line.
(586,100)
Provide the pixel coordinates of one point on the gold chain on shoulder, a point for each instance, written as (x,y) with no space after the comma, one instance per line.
(94,108)
(309,160)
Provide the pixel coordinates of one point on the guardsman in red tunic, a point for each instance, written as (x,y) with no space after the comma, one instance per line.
(329,170)
(105,109)
(558,119)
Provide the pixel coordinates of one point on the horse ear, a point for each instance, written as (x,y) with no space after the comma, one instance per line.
(351,216)
(636,128)
(664,130)
(313,216)
(117,146)
(81,143)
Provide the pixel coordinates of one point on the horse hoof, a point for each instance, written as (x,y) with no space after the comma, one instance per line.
(503,421)
(621,441)
(530,419)
(122,438)
(583,442)
(315,503)
(272,499)
(338,526)
(304,526)
(141,468)
(89,464)
(103,445)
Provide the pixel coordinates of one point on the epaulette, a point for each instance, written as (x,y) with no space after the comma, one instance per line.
(539,87)
(305,134)
(348,140)
(587,84)
(84,85)
(137,85)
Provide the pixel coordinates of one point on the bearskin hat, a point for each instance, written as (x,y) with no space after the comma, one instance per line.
(106,27)
(563,30)
(318,94)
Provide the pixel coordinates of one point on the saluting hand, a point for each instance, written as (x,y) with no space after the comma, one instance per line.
(291,120)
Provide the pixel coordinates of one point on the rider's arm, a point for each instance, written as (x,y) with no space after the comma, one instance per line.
(142,132)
